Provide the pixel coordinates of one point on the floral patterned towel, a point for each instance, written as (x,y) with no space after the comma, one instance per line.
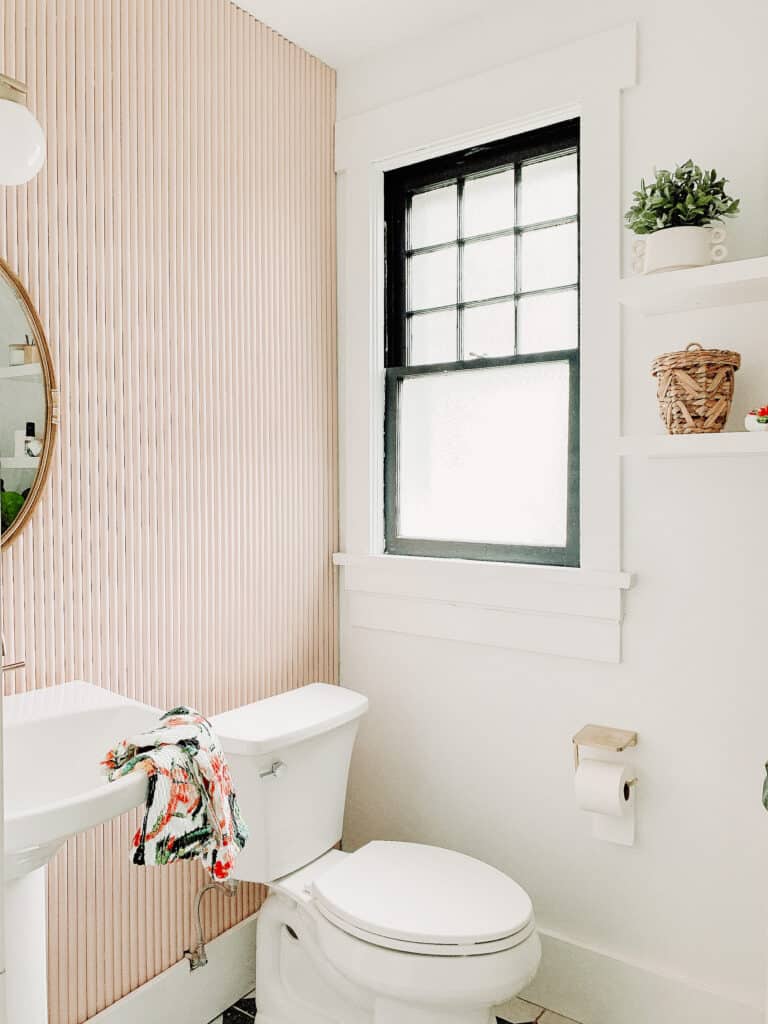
(191,807)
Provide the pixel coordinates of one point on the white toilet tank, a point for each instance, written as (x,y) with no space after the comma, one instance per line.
(289,758)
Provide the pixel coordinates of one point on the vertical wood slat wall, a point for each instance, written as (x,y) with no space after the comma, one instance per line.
(179,245)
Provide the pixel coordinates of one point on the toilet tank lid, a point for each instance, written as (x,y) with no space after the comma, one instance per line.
(287,718)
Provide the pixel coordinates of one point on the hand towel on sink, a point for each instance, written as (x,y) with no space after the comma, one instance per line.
(191,808)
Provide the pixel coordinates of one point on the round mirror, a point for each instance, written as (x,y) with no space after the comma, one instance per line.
(27,405)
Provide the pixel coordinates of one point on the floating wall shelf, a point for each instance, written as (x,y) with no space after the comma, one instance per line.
(693,446)
(676,291)
(31,372)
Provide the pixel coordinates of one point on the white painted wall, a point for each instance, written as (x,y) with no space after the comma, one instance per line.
(469,746)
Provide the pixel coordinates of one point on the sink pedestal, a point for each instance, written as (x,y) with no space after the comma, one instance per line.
(26,955)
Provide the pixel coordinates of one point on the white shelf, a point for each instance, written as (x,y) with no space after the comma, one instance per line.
(695,446)
(20,462)
(28,371)
(675,291)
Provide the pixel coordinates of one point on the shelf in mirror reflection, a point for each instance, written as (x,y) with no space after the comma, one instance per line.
(19,462)
(31,372)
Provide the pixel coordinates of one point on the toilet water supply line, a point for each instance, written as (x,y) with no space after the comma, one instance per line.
(198,957)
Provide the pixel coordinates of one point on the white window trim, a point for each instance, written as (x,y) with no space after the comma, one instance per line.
(584,79)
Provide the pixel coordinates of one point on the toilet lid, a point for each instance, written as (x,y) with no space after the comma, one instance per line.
(424,894)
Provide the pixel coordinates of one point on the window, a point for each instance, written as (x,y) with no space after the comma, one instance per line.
(482,352)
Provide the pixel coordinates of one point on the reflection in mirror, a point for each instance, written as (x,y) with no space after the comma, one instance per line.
(26,392)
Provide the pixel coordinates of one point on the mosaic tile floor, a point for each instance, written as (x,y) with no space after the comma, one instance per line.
(519,1011)
(243,1012)
(516,1011)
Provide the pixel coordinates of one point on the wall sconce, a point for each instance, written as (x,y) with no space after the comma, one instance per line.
(22,142)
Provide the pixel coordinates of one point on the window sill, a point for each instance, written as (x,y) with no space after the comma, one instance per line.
(548,610)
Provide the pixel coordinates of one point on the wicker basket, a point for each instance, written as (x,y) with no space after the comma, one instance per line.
(695,388)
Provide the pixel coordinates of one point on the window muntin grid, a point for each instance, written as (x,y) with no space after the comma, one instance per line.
(486,253)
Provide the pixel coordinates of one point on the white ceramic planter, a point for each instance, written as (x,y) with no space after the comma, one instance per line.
(751,423)
(678,248)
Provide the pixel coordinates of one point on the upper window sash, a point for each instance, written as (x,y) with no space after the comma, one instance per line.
(403,184)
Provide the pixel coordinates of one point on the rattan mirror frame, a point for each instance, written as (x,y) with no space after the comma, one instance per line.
(51,407)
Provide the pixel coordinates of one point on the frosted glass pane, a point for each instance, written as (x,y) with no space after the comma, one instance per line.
(489,203)
(489,330)
(433,338)
(489,268)
(549,257)
(434,217)
(484,455)
(546,323)
(432,279)
(548,189)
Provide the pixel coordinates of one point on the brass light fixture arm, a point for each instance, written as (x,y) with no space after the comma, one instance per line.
(10,666)
(12,89)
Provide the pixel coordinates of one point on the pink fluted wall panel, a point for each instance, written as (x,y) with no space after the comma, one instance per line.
(179,245)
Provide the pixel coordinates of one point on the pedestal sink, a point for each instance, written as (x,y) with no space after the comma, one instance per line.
(53,741)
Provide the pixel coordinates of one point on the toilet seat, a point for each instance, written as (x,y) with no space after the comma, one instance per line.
(429,948)
(423,899)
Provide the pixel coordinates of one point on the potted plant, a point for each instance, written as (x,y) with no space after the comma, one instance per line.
(10,506)
(678,216)
(757,419)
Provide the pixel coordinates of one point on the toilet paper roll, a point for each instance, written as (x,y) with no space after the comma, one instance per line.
(603,787)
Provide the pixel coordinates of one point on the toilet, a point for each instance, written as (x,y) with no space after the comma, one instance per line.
(394,933)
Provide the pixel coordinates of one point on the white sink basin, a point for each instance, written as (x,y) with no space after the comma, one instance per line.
(53,742)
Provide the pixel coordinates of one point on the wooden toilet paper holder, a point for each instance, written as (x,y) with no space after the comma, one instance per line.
(603,737)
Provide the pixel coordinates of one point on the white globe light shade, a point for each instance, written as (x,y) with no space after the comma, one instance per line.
(22,144)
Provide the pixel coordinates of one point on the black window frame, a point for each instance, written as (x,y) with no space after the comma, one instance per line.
(399,187)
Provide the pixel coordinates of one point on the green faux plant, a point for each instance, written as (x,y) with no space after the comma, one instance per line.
(687,197)
(10,506)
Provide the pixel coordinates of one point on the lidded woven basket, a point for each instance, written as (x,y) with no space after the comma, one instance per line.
(695,388)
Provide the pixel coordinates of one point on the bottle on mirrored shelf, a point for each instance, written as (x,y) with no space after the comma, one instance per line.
(33,446)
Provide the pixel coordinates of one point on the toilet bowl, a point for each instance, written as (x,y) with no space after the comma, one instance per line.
(394,932)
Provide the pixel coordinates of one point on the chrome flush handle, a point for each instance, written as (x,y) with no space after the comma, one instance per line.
(277,768)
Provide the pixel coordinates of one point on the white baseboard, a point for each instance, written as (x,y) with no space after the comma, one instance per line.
(194,997)
(596,988)
(580,983)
